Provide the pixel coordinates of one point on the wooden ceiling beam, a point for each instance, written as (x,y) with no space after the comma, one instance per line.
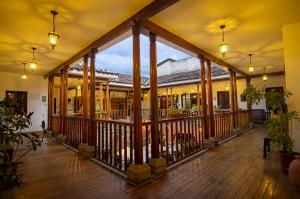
(169,36)
(279,73)
(150,10)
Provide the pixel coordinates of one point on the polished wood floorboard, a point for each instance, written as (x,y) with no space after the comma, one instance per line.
(233,170)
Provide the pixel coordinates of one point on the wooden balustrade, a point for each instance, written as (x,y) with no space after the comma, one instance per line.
(73,131)
(223,125)
(178,138)
(114,143)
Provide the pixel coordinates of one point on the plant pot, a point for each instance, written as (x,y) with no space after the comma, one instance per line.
(294,172)
(286,159)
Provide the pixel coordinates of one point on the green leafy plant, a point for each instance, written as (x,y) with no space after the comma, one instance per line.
(253,95)
(14,142)
(279,126)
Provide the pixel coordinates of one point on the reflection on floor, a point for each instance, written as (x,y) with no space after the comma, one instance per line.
(233,170)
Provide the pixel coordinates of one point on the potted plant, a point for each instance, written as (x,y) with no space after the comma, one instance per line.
(14,143)
(279,126)
(174,113)
(253,95)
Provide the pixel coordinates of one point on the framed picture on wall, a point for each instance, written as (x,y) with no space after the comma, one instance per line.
(243,98)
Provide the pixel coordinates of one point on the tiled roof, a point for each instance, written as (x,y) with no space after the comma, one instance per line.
(126,79)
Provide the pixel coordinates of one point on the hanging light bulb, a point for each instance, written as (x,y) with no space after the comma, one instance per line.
(53,36)
(250,66)
(33,64)
(78,87)
(226,87)
(223,46)
(265,77)
(24,76)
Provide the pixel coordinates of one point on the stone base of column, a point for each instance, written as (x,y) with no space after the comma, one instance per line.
(237,131)
(86,150)
(50,133)
(210,143)
(158,166)
(138,173)
(60,139)
(251,125)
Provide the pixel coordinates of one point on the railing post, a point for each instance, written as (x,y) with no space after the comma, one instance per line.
(92,130)
(50,101)
(210,101)
(203,95)
(137,172)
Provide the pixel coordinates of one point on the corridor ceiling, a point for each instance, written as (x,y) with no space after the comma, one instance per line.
(252,26)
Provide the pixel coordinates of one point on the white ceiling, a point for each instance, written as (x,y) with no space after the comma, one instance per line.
(26,23)
(252,26)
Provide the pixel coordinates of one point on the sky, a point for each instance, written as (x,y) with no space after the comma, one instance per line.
(118,58)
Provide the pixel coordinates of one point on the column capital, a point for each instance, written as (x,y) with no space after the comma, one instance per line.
(136,28)
(93,53)
(152,37)
(85,58)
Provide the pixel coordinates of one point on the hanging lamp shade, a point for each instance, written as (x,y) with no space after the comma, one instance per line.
(53,36)
(24,76)
(250,66)
(223,47)
(33,63)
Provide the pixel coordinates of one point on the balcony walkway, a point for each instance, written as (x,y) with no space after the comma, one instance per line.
(233,170)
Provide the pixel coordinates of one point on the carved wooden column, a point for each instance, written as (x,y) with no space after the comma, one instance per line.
(232,98)
(249,107)
(107,101)
(85,98)
(61,102)
(92,131)
(198,99)
(153,97)
(203,95)
(236,105)
(210,100)
(50,101)
(171,93)
(137,114)
(137,172)
(101,100)
(65,99)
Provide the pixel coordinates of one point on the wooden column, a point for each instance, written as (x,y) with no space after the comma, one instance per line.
(203,94)
(198,100)
(107,101)
(171,93)
(92,131)
(65,99)
(248,82)
(232,97)
(137,114)
(61,102)
(210,100)
(153,97)
(101,100)
(167,102)
(50,100)
(236,105)
(85,98)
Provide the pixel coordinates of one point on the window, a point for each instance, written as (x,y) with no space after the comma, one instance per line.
(20,97)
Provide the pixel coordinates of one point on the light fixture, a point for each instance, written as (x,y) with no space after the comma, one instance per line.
(265,77)
(24,76)
(250,66)
(33,64)
(223,46)
(226,87)
(78,87)
(53,36)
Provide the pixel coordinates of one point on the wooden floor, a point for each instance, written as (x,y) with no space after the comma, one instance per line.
(233,170)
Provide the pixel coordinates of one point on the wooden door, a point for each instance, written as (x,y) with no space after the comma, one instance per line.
(223,99)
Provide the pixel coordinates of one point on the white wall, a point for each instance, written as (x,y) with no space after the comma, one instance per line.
(291,45)
(36,87)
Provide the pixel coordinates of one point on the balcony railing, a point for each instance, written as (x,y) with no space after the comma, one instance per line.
(179,138)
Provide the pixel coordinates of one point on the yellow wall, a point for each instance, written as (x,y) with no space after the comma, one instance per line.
(291,45)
